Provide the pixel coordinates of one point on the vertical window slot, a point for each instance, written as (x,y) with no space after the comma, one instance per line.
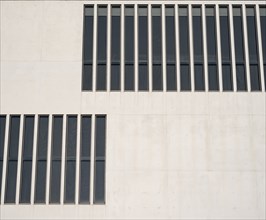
(263,38)
(2,142)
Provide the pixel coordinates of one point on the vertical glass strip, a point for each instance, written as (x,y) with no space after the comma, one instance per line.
(41,161)
(185,78)
(157,75)
(171,81)
(239,49)
(101,76)
(253,49)
(12,159)
(115,47)
(71,145)
(26,168)
(87,48)
(263,38)
(56,159)
(198,49)
(212,49)
(129,48)
(2,142)
(143,48)
(100,141)
(85,153)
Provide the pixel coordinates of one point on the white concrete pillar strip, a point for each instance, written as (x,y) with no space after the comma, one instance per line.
(122,47)
(94,66)
(150,47)
(108,55)
(219,51)
(78,159)
(246,47)
(21,126)
(50,123)
(205,54)
(163,47)
(232,45)
(92,158)
(257,13)
(4,171)
(136,46)
(191,47)
(177,49)
(34,156)
(63,161)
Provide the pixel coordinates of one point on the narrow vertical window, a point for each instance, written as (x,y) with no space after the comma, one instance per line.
(226,50)
(12,159)
(184,49)
(41,161)
(85,158)
(99,175)
(101,76)
(171,82)
(263,38)
(129,48)
(143,75)
(87,48)
(253,50)
(157,75)
(71,145)
(26,165)
(56,159)
(198,49)
(212,49)
(115,48)
(2,142)
(239,50)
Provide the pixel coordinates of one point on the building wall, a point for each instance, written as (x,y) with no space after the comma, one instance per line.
(197,155)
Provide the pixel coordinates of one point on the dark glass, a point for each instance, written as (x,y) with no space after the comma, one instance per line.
(227,78)
(263,37)
(143,48)
(212,49)
(2,142)
(55,182)
(85,150)
(71,138)
(199,77)
(100,136)
(171,82)
(88,48)
(40,183)
(25,187)
(184,49)
(115,76)
(99,196)
(11,176)
(101,48)
(84,189)
(241,77)
(70,181)
(129,48)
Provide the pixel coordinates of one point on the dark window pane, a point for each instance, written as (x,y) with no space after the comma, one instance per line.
(11,180)
(143,33)
(1,170)
(13,137)
(40,184)
(70,181)
(99,196)
(84,193)
(129,77)
(100,136)
(171,77)
(197,35)
(55,181)
(211,35)
(254,78)
(28,137)
(2,137)
(183,34)
(25,188)
(115,77)
(87,77)
(213,78)
(71,137)
(263,37)
(143,77)
(157,79)
(227,78)
(101,77)
(170,35)
(185,78)
(57,137)
(42,138)
(199,77)
(241,78)
(225,37)
(85,150)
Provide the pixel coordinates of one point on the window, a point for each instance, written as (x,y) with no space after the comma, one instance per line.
(2,142)
(263,38)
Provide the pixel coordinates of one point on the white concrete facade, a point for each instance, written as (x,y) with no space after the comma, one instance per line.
(170,155)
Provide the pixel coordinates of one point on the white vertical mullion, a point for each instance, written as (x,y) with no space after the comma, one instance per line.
(190,25)
(108,48)
(94,48)
(136,46)
(257,13)
(122,47)
(246,46)
(150,46)
(78,159)
(63,162)
(5,160)
(34,158)
(178,79)
(219,50)
(92,162)
(163,47)
(50,117)
(22,120)
(205,54)
(232,44)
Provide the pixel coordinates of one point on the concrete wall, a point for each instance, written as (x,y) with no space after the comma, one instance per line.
(169,155)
